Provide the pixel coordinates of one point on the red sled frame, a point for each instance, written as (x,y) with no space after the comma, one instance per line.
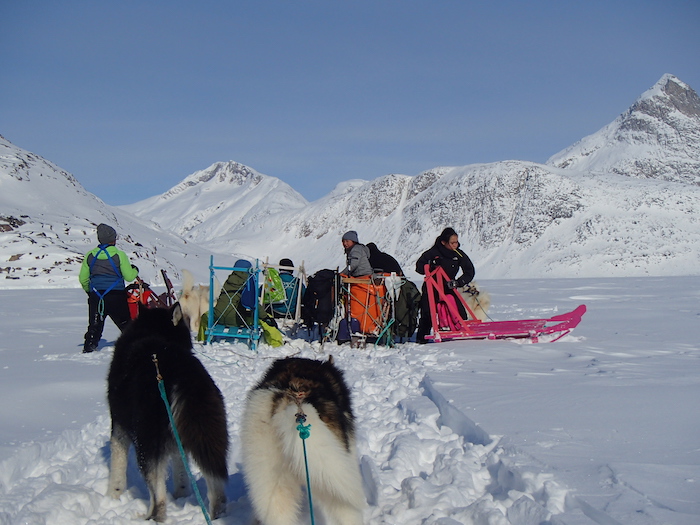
(447,322)
(140,292)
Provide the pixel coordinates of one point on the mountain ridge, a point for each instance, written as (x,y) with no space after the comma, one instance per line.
(623,201)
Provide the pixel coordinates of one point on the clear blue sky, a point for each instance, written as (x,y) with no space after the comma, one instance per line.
(133,96)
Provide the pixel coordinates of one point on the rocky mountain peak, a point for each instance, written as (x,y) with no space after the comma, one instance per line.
(658,137)
(675,95)
(231,174)
(228,172)
(669,102)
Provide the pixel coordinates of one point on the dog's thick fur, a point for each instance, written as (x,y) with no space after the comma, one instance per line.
(273,457)
(139,415)
(478,300)
(194,300)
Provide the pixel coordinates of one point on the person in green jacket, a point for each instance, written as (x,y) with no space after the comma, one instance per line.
(102,276)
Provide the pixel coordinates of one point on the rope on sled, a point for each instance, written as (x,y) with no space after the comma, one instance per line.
(385,331)
(183,456)
(304,433)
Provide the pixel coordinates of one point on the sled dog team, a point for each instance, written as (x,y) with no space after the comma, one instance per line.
(154,361)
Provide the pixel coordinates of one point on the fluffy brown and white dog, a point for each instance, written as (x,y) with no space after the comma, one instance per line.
(478,300)
(139,414)
(273,451)
(194,300)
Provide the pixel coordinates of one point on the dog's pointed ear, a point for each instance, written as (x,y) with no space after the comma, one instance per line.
(330,361)
(176,311)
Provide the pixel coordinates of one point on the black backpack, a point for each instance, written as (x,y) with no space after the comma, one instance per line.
(406,310)
(318,301)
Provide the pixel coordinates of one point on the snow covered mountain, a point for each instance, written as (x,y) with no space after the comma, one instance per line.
(48,221)
(216,201)
(621,202)
(657,138)
(516,219)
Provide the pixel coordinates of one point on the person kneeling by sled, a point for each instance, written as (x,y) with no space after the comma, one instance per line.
(445,253)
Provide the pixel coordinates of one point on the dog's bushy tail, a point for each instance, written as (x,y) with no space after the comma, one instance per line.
(187,281)
(201,422)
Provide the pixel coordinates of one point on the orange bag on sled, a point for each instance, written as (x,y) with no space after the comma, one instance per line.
(363,302)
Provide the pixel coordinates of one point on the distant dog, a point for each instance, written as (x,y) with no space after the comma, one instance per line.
(272,450)
(139,415)
(478,300)
(194,300)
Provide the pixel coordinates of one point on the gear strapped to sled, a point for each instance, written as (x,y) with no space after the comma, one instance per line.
(448,324)
(235,313)
(283,292)
(369,308)
(319,304)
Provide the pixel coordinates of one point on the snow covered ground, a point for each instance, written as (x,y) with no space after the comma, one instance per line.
(601,427)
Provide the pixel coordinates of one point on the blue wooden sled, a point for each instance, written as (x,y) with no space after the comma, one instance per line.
(250,333)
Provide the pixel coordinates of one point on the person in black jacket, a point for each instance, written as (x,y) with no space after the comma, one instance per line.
(446,253)
(382,261)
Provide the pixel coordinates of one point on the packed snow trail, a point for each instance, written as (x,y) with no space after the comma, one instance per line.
(416,468)
(594,424)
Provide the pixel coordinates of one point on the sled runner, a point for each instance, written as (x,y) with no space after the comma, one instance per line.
(448,323)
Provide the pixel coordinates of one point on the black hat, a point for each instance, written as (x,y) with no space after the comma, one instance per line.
(106,234)
(288,263)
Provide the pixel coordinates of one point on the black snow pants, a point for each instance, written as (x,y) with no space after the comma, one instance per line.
(115,307)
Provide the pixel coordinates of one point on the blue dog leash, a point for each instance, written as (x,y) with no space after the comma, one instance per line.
(304,433)
(161,388)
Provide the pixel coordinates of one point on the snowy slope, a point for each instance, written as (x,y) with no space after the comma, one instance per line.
(658,137)
(516,219)
(48,221)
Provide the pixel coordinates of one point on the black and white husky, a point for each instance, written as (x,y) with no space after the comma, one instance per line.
(273,451)
(139,414)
